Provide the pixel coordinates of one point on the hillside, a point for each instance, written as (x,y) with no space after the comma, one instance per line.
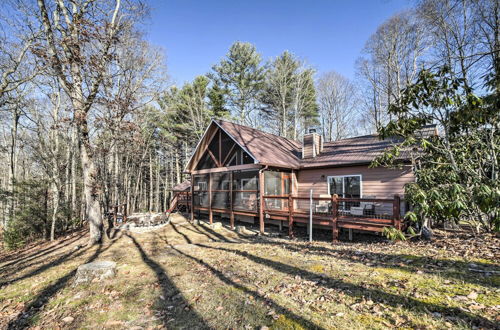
(190,276)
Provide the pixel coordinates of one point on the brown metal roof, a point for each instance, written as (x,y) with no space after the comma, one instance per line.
(274,150)
(356,150)
(266,148)
(183,186)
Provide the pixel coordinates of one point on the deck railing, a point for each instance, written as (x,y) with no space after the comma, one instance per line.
(371,214)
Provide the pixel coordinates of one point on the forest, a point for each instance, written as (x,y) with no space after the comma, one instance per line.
(89,117)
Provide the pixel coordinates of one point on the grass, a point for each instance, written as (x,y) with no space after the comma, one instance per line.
(192,277)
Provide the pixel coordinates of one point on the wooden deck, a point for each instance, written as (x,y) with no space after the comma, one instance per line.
(335,214)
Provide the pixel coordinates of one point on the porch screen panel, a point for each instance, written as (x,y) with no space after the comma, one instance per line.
(245,190)
(220,190)
(200,191)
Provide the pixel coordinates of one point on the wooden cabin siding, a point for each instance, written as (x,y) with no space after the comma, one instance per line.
(379,182)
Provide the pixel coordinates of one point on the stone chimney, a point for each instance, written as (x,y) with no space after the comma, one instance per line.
(312,144)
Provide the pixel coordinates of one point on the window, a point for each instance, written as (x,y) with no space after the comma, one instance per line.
(346,186)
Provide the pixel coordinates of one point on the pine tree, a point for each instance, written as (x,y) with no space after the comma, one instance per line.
(242,77)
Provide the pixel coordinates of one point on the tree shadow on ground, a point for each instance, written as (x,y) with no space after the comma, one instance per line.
(24,318)
(360,291)
(405,262)
(186,238)
(181,310)
(280,309)
(21,262)
(44,267)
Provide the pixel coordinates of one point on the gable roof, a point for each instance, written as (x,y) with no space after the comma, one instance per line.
(266,148)
(269,149)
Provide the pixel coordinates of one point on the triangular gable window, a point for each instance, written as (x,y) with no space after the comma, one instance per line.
(222,151)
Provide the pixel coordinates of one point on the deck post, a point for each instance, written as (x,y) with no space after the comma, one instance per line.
(231,213)
(290,216)
(396,212)
(192,199)
(261,201)
(335,229)
(210,213)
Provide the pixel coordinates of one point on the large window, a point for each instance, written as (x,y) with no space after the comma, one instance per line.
(346,186)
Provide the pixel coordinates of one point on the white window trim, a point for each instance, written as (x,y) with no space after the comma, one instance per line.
(343,188)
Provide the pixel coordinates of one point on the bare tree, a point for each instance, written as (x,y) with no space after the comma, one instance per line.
(391,61)
(79,43)
(337,99)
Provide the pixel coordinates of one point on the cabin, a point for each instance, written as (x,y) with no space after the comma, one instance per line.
(243,174)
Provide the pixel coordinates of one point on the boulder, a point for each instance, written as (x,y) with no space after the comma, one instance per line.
(241,229)
(215,225)
(427,234)
(97,270)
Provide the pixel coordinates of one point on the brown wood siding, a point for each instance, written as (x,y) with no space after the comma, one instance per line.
(378,182)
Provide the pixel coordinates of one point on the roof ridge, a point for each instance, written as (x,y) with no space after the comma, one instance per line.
(278,136)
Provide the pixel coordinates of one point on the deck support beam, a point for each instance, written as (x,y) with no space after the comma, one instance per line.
(261,201)
(192,199)
(231,213)
(210,213)
(335,229)
(396,212)
(290,216)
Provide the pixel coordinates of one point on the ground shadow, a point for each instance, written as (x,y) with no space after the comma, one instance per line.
(405,262)
(20,261)
(280,309)
(360,291)
(171,295)
(24,318)
(44,267)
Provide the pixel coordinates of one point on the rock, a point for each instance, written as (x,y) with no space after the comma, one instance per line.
(472,295)
(68,319)
(97,270)
(241,229)
(427,234)
(216,225)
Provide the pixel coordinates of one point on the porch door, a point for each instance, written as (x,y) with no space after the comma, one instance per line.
(278,184)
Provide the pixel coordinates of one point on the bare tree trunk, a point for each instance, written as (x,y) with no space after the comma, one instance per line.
(150,202)
(74,211)
(12,167)
(157,193)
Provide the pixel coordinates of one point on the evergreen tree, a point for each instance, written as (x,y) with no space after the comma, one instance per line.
(242,78)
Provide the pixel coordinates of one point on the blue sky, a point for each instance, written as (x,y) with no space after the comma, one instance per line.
(329,35)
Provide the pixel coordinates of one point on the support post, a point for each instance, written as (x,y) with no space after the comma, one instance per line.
(310,216)
(192,198)
(231,213)
(396,212)
(261,202)
(335,230)
(210,214)
(290,216)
